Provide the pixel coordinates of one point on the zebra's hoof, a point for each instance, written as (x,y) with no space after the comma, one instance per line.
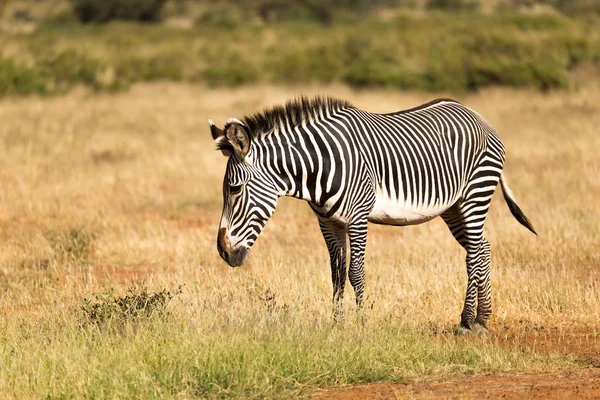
(462,331)
(479,329)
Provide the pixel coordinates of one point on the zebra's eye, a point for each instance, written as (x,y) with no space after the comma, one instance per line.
(235,189)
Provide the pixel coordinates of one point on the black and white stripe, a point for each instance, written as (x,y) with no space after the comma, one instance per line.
(353,167)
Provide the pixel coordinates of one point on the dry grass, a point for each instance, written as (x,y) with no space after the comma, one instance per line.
(114,191)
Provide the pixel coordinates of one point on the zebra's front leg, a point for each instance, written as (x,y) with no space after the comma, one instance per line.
(335,238)
(357,234)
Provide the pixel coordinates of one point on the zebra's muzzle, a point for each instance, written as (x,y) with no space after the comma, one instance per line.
(237,257)
(234,258)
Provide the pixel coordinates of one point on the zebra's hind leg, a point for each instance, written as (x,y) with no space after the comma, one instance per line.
(465,221)
(335,238)
(484,296)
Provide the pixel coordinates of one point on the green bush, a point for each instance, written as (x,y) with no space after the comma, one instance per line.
(276,10)
(228,12)
(134,69)
(579,7)
(575,7)
(543,22)
(53,73)
(320,63)
(107,10)
(63,70)
(222,16)
(452,5)
(229,70)
(19,80)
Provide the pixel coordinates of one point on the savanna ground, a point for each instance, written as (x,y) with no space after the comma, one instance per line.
(123,191)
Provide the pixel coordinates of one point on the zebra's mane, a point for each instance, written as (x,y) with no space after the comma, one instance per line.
(292,113)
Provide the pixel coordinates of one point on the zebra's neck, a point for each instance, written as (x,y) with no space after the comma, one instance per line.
(300,160)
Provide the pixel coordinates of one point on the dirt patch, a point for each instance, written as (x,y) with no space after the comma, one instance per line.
(124,273)
(581,342)
(577,384)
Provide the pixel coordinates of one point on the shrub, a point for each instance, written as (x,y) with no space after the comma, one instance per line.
(229,70)
(133,69)
(53,73)
(107,10)
(574,7)
(19,80)
(65,69)
(503,60)
(543,22)
(136,304)
(321,63)
(275,10)
(223,16)
(579,7)
(452,5)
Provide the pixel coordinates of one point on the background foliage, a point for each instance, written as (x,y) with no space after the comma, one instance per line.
(107,10)
(448,45)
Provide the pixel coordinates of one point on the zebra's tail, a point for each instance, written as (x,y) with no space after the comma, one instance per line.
(513,206)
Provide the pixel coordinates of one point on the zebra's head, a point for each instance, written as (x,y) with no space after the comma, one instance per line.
(249,193)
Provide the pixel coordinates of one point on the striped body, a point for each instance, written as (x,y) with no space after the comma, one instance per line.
(419,161)
(352,166)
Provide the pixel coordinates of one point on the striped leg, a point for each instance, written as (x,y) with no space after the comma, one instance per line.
(484,296)
(335,238)
(465,221)
(357,233)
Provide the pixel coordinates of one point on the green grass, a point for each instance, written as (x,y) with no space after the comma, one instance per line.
(212,353)
(449,52)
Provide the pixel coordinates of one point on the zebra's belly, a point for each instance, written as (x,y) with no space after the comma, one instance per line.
(393,212)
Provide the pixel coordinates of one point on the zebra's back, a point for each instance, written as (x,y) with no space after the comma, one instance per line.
(421,160)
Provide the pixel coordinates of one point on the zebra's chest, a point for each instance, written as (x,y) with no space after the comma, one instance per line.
(397,212)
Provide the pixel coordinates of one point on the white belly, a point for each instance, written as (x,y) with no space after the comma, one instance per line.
(391,212)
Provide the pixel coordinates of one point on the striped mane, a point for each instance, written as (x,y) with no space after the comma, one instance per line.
(293,113)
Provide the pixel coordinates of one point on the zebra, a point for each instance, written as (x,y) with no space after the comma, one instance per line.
(354,167)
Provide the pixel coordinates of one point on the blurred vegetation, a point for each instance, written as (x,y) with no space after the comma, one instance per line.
(447,45)
(454,5)
(571,7)
(71,245)
(107,10)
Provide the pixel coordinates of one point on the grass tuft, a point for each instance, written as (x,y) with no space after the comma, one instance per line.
(74,244)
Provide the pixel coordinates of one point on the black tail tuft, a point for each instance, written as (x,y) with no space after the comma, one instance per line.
(514,207)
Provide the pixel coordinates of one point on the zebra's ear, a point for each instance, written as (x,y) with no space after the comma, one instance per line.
(214,131)
(238,136)
(219,137)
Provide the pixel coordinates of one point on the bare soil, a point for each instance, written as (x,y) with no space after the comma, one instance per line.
(575,384)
